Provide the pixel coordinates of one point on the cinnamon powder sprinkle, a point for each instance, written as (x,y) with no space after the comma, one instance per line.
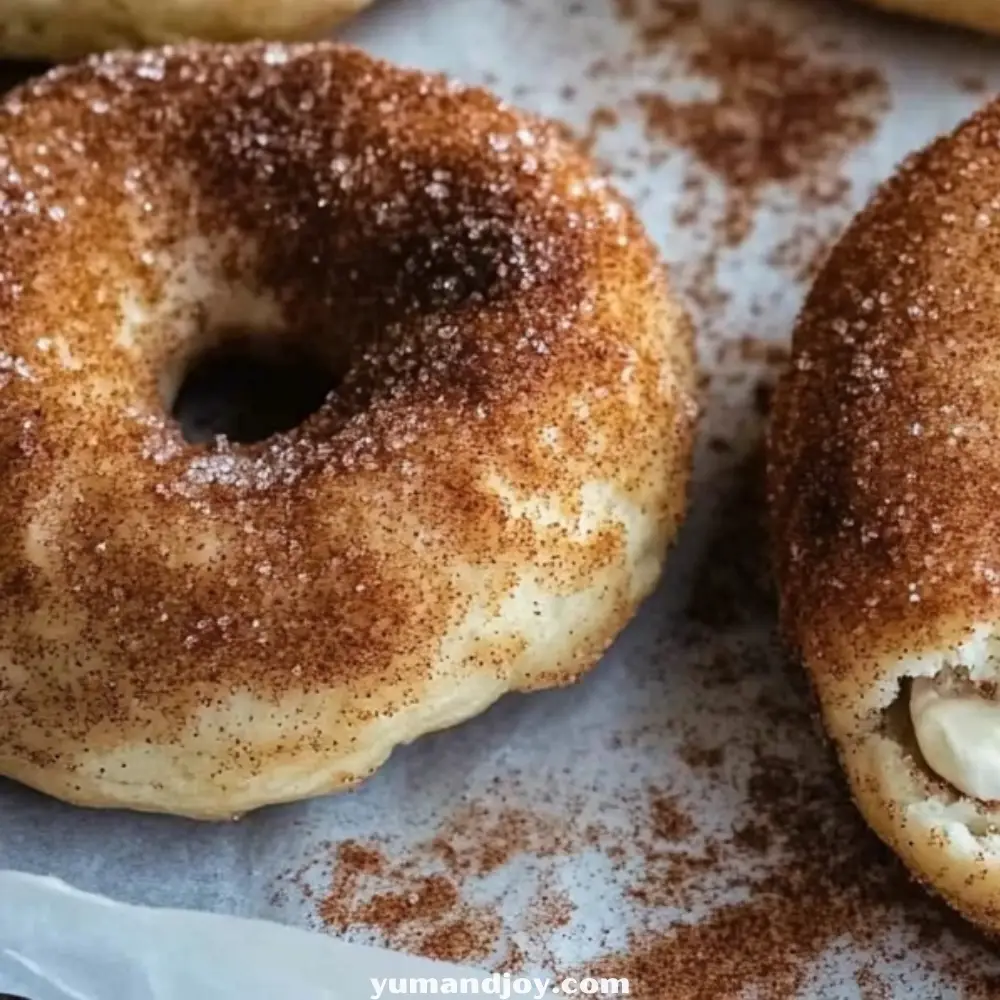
(872,986)
(353,862)
(408,910)
(780,109)
(461,940)
(798,879)
(479,838)
(782,112)
(415,901)
(435,897)
(795,881)
(669,821)
(780,116)
(826,896)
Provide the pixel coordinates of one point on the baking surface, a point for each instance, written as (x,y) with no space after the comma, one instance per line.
(675,818)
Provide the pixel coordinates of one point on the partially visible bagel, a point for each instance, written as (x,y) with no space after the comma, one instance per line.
(58,30)
(885,499)
(980,15)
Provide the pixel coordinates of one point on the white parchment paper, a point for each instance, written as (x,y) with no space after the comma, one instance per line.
(57,943)
(582,755)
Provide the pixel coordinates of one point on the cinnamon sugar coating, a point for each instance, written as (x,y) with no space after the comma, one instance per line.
(480,504)
(885,480)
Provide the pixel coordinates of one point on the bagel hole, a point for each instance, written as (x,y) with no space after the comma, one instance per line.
(247,388)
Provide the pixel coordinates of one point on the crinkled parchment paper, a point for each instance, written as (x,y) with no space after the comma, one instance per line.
(694,704)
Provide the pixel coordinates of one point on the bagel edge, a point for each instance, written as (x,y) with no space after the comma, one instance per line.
(884,484)
(976,15)
(60,30)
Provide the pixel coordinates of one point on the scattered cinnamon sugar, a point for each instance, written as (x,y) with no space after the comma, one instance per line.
(827,893)
(872,986)
(802,252)
(669,821)
(701,758)
(435,897)
(358,859)
(401,907)
(780,116)
(660,20)
(808,878)
(780,109)
(551,909)
(669,879)
(478,839)
(462,940)
(699,282)
(601,118)
(415,902)
(353,861)
(783,112)
(514,961)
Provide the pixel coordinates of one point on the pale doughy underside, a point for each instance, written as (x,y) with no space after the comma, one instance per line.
(980,15)
(68,29)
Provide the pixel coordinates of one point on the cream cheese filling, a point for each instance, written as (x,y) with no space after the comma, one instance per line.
(957,728)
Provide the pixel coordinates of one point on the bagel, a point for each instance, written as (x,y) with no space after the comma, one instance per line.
(979,15)
(884,483)
(58,30)
(484,495)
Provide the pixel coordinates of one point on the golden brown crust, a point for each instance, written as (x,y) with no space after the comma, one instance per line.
(206,629)
(885,481)
(980,15)
(58,30)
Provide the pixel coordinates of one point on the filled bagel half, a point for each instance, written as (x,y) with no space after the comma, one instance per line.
(884,473)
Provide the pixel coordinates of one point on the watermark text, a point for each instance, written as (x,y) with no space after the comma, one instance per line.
(502,985)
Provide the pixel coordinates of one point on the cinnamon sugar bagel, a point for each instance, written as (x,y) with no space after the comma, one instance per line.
(885,479)
(68,29)
(483,496)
